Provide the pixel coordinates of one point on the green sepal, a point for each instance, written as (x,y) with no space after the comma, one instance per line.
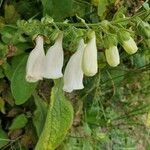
(90,34)
(123,36)
(110,40)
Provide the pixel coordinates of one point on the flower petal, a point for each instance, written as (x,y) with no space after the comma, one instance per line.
(73,76)
(89,62)
(54,60)
(35,60)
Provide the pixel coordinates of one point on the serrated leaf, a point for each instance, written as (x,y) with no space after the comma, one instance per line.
(57,9)
(19,122)
(21,89)
(3,138)
(39,114)
(59,120)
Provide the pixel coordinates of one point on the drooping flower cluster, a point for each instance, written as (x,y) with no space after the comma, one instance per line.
(82,62)
(112,52)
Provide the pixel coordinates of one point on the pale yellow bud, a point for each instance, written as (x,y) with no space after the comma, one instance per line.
(130,46)
(112,56)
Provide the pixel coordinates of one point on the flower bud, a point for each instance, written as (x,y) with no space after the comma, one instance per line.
(53,62)
(73,76)
(130,46)
(34,67)
(112,56)
(89,61)
(127,42)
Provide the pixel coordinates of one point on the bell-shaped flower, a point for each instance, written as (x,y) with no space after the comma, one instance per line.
(34,67)
(130,46)
(53,62)
(73,76)
(112,56)
(89,61)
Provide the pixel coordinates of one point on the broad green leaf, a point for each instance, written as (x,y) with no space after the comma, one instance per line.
(81,8)
(21,89)
(9,69)
(3,138)
(103,6)
(57,9)
(59,120)
(39,114)
(19,122)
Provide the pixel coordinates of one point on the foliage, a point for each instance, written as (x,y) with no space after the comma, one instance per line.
(113,109)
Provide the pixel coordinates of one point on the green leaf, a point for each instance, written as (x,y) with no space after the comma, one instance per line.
(1,73)
(2,105)
(57,9)
(102,7)
(39,114)
(19,122)
(3,138)
(59,120)
(11,15)
(21,89)
(1,1)
(120,13)
(9,69)
(87,145)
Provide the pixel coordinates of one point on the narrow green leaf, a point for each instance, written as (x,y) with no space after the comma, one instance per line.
(102,7)
(57,9)
(39,114)
(59,120)
(3,138)
(20,88)
(1,1)
(19,122)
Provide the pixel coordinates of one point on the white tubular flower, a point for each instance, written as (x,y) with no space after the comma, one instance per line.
(130,46)
(34,67)
(112,56)
(73,76)
(54,60)
(89,62)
